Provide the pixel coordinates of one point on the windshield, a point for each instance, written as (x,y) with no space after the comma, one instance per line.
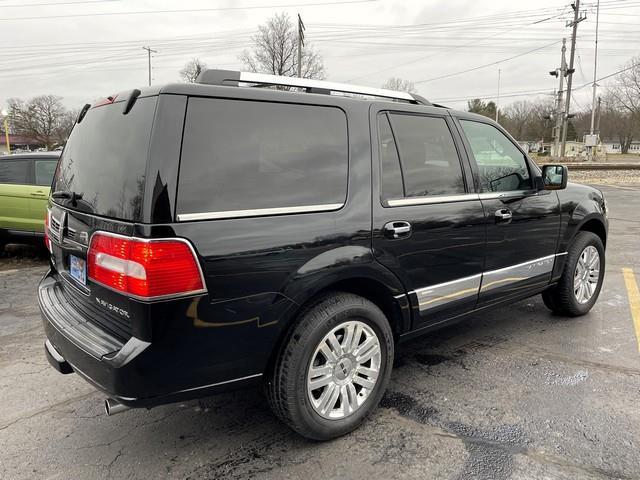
(105,160)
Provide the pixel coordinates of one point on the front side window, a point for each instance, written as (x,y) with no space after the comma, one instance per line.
(501,165)
(14,171)
(242,155)
(428,156)
(44,172)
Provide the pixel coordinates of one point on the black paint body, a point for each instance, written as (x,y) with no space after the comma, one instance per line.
(260,271)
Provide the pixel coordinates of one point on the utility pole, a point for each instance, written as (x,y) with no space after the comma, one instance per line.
(300,44)
(595,76)
(577,18)
(149,52)
(559,73)
(5,115)
(498,99)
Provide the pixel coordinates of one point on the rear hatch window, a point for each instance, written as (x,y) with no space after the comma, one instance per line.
(105,160)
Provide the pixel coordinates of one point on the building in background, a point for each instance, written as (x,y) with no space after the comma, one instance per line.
(613,146)
(18,144)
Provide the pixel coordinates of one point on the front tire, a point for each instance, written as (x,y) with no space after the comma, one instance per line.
(334,367)
(581,281)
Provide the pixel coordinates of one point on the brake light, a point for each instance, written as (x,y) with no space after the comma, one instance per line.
(144,268)
(47,222)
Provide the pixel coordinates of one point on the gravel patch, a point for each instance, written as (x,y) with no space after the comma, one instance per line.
(605,177)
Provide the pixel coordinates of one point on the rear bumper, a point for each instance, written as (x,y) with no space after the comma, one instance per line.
(135,372)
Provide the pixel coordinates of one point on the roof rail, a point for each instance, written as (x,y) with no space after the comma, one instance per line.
(231,77)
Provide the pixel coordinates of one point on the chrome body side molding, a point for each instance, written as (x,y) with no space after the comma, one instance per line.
(436,295)
(442,293)
(516,273)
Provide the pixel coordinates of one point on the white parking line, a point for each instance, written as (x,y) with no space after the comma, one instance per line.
(6,272)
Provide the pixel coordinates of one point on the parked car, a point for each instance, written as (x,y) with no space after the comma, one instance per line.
(236,236)
(25,180)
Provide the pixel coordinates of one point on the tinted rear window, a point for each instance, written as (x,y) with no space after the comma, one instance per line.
(246,155)
(428,155)
(106,157)
(44,170)
(14,171)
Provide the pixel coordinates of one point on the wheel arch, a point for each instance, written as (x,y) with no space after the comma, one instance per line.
(594,225)
(371,281)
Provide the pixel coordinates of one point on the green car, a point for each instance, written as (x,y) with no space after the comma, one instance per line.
(25,182)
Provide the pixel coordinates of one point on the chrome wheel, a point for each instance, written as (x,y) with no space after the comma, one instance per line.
(344,370)
(586,275)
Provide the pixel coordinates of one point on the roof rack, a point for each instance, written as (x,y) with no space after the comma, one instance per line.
(231,77)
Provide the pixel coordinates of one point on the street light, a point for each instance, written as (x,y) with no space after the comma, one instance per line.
(5,115)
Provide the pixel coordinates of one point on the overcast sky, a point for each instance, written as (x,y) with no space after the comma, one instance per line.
(85,49)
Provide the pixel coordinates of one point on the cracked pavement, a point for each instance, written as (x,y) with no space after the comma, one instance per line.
(513,393)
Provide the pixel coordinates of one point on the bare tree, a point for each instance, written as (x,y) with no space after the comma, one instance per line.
(540,124)
(64,126)
(275,51)
(517,117)
(400,85)
(617,123)
(626,92)
(192,69)
(43,119)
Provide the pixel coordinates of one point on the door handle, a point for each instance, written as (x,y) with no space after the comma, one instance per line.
(38,194)
(503,215)
(397,229)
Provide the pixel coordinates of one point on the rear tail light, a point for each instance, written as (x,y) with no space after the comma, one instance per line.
(147,269)
(47,222)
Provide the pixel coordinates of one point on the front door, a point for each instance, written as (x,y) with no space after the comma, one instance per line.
(523,223)
(428,225)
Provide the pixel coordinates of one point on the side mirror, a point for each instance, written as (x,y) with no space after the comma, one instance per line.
(554,177)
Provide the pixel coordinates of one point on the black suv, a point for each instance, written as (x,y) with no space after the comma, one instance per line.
(215,235)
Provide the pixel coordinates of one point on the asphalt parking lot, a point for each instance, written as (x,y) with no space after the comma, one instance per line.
(514,393)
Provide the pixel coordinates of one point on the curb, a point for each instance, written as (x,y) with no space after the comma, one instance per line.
(600,166)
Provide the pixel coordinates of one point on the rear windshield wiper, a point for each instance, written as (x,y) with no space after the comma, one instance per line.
(64,195)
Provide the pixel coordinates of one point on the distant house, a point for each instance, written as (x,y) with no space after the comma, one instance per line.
(531,146)
(18,143)
(572,149)
(612,146)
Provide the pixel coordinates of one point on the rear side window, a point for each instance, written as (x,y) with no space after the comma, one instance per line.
(246,155)
(44,171)
(428,155)
(14,171)
(105,159)
(392,183)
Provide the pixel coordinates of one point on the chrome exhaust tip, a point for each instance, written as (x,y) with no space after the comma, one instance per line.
(113,407)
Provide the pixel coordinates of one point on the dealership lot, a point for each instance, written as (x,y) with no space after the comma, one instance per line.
(512,393)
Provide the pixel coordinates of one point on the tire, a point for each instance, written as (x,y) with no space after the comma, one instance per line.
(289,388)
(562,298)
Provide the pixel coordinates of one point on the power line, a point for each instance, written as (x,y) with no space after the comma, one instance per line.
(191,10)
(486,64)
(58,3)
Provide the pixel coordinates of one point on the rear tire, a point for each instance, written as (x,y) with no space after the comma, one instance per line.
(581,281)
(343,345)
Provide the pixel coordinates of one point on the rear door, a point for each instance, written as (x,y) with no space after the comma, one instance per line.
(43,170)
(523,223)
(15,190)
(429,225)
